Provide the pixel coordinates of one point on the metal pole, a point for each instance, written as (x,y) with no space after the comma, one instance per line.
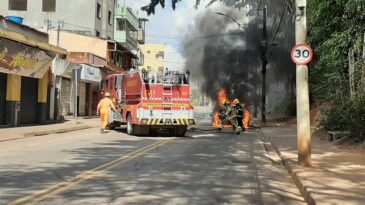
(75,71)
(264,63)
(303,120)
(58,33)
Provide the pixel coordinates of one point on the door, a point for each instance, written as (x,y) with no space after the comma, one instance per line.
(29,101)
(3,78)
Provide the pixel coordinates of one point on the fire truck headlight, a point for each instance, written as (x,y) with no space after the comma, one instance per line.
(191,122)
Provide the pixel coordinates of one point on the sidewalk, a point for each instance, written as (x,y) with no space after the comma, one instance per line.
(337,175)
(37,130)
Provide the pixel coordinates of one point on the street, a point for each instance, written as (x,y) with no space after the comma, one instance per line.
(85,167)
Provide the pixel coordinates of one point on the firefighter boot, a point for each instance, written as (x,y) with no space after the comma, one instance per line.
(238,130)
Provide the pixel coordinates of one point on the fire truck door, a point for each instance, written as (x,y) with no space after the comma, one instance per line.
(119,89)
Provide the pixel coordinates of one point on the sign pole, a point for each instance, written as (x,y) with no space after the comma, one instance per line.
(303,115)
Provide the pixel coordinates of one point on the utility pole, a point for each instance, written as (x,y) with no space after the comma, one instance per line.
(58,32)
(264,63)
(303,120)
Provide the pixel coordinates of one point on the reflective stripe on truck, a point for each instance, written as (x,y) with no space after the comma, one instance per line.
(161,121)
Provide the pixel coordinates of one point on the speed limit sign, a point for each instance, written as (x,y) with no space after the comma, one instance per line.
(302,54)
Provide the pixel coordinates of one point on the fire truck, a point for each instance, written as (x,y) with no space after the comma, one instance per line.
(147,101)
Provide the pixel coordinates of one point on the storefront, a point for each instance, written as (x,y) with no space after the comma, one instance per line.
(90,76)
(23,78)
(3,77)
(88,80)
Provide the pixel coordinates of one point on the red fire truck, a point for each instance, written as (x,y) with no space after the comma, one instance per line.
(148,101)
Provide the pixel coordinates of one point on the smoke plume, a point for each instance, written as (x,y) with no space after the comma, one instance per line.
(221,55)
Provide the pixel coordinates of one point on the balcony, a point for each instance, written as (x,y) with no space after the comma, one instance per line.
(129,42)
(141,36)
(126,13)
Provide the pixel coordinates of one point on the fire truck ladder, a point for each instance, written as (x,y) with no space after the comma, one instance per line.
(166,100)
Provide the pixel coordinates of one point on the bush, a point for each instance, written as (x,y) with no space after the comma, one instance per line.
(346,114)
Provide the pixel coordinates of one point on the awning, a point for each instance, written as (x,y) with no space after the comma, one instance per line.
(31,42)
(22,59)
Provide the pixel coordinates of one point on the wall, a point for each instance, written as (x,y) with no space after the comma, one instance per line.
(79,43)
(81,17)
(150,57)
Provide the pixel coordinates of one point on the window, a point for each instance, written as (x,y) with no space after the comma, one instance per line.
(19,5)
(110,17)
(120,24)
(98,11)
(97,33)
(49,5)
(148,52)
(160,55)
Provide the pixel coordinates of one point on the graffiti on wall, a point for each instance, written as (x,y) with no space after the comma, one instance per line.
(24,60)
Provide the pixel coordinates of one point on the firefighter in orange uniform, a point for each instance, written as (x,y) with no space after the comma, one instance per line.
(103,109)
(247,117)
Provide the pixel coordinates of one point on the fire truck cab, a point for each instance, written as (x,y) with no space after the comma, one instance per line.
(146,101)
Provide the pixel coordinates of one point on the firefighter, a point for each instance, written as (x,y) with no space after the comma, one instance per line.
(231,117)
(239,112)
(103,109)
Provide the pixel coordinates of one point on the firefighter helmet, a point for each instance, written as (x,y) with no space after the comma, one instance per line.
(107,94)
(236,101)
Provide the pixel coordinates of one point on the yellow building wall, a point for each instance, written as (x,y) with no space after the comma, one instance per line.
(74,42)
(42,89)
(150,61)
(13,88)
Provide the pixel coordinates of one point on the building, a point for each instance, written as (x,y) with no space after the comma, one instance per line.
(129,33)
(25,74)
(94,58)
(154,55)
(89,17)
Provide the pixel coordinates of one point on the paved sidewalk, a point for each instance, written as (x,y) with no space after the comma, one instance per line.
(337,175)
(37,130)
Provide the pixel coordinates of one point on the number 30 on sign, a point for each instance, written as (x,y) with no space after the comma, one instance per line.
(302,54)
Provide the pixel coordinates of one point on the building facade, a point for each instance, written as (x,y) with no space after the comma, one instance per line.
(89,17)
(154,57)
(129,33)
(25,74)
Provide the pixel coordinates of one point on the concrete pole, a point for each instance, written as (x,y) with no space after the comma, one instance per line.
(303,119)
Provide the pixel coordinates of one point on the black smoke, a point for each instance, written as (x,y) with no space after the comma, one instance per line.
(220,55)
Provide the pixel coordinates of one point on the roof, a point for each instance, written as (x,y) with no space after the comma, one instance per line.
(31,42)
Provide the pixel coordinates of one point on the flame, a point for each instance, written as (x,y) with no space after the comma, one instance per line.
(222,96)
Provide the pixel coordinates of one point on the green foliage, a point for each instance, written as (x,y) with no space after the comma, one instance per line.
(335,26)
(346,114)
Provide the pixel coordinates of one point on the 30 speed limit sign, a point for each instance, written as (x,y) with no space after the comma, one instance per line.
(302,54)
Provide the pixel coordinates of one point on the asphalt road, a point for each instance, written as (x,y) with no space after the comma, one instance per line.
(84,167)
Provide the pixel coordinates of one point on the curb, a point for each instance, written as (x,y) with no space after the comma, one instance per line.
(57,131)
(48,132)
(303,190)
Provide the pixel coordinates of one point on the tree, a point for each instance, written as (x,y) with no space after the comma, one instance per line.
(150,8)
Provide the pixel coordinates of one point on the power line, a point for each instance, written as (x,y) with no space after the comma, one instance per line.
(165,61)
(196,37)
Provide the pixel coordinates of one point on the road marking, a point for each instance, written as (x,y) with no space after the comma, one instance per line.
(90,174)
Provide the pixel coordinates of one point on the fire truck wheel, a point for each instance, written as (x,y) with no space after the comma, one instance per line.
(180,131)
(130,126)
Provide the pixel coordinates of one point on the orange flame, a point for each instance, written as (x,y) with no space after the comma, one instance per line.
(222,97)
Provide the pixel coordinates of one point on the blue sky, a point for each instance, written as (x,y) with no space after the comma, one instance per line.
(168,26)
